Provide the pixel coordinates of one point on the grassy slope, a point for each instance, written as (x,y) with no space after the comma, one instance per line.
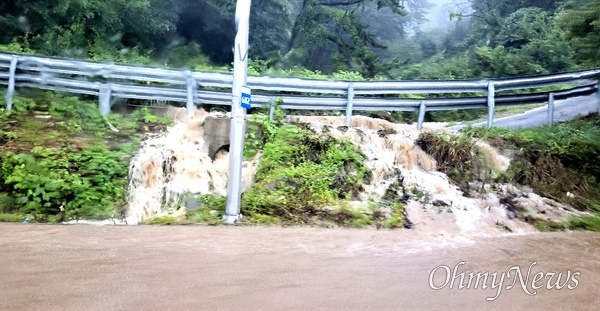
(303,178)
(59,160)
(71,165)
(560,162)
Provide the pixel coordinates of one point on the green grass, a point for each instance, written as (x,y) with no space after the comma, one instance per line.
(210,211)
(11,217)
(163,221)
(555,161)
(300,172)
(590,223)
(70,165)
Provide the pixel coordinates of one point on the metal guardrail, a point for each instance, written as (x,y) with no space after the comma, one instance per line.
(114,81)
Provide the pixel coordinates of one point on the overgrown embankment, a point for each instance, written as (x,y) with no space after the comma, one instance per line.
(59,160)
(301,172)
(561,163)
(304,177)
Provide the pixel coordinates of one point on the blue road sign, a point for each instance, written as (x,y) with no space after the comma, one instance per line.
(246,99)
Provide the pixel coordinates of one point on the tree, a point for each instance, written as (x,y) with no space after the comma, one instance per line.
(86,28)
(581,20)
(211,23)
(331,29)
(523,26)
(528,42)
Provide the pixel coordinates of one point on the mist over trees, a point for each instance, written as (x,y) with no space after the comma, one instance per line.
(388,39)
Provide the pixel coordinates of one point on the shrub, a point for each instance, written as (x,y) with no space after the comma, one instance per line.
(301,172)
(554,160)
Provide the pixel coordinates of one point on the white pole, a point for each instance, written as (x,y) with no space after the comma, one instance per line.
(598,95)
(491,101)
(238,113)
(11,83)
(550,109)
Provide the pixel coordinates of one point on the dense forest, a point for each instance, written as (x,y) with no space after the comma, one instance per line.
(367,38)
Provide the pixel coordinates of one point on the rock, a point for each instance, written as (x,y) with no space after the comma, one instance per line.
(441,202)
(342,128)
(408,224)
(191,204)
(509,189)
(385,212)
(487,187)
(552,203)
(503,226)
(511,215)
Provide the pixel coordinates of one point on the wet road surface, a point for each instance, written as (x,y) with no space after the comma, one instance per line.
(564,110)
(47,267)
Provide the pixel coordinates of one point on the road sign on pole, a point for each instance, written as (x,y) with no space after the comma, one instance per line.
(240,102)
(246,101)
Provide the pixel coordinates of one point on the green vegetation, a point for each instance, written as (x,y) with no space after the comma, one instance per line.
(66,163)
(11,218)
(559,162)
(59,160)
(163,221)
(301,173)
(316,38)
(591,223)
(319,39)
(458,156)
(555,161)
(210,211)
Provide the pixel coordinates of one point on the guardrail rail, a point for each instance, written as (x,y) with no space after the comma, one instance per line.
(115,81)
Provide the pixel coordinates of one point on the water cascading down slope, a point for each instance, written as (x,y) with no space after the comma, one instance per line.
(175,164)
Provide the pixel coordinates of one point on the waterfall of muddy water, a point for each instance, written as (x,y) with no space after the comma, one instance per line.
(434,204)
(174,164)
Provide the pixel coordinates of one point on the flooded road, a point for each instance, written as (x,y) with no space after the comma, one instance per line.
(256,268)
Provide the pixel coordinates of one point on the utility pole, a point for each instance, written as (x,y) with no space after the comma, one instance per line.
(238,112)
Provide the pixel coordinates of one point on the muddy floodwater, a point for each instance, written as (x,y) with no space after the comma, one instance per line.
(44,267)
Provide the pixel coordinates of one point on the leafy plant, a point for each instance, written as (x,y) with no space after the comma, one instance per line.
(300,172)
(210,211)
(77,169)
(559,162)
(11,217)
(163,221)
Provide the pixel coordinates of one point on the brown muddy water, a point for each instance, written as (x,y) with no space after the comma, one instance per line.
(44,267)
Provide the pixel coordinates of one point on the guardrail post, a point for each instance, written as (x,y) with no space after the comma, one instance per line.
(422,110)
(191,88)
(550,109)
(350,104)
(271,111)
(11,83)
(491,101)
(104,99)
(598,95)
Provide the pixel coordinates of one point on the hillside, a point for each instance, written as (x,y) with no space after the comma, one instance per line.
(306,170)
(60,160)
